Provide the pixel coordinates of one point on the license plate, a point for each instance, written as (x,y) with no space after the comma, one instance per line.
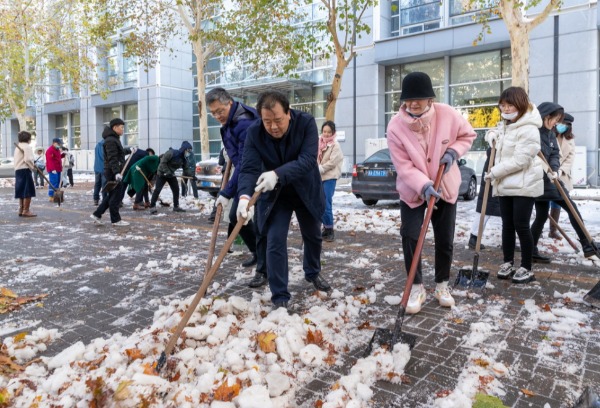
(377,173)
(206,184)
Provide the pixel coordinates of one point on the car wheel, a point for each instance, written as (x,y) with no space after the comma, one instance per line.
(369,202)
(471,190)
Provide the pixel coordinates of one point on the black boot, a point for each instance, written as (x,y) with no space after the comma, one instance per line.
(328,234)
(539,258)
(250,262)
(473,242)
(589,250)
(260,279)
(320,283)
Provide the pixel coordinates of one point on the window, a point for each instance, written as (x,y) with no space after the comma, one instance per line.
(121,71)
(75,131)
(474,84)
(112,66)
(129,114)
(61,128)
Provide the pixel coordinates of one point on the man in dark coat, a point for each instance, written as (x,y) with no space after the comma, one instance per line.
(280,160)
(114,160)
(170,162)
(235,118)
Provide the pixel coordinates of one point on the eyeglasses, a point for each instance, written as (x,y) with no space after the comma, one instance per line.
(218,112)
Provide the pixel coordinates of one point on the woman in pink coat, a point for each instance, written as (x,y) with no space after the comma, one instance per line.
(422,136)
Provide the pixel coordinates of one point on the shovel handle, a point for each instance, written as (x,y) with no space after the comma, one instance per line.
(567,200)
(563,233)
(486,192)
(215,230)
(39,171)
(204,286)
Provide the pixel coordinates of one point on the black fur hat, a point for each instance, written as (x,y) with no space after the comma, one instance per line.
(416,85)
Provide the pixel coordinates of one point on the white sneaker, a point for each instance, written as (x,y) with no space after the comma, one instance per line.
(506,271)
(416,300)
(523,276)
(96,219)
(443,295)
(120,223)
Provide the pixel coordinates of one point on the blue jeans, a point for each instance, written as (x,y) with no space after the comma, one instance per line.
(54,180)
(329,190)
(99,183)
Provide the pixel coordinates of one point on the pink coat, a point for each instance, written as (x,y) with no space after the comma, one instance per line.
(443,128)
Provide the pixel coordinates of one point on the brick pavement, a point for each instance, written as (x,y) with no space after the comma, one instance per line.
(97,288)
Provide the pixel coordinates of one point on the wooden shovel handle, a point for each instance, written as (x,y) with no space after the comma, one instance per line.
(486,192)
(215,229)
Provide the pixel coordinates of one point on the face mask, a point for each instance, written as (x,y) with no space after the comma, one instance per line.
(57,148)
(420,114)
(188,154)
(510,116)
(561,128)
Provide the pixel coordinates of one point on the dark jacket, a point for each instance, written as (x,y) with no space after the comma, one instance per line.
(293,158)
(172,160)
(493,203)
(189,168)
(138,155)
(233,134)
(551,151)
(99,157)
(114,153)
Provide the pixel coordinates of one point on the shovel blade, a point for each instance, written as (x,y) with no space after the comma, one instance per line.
(385,337)
(593,296)
(467,279)
(109,186)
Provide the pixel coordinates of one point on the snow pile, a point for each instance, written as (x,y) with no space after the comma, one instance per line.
(233,351)
(24,346)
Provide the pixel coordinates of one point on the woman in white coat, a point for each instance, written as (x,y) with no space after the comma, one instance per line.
(517,178)
(330,158)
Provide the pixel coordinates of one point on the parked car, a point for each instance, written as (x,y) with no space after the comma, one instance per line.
(209,176)
(7,168)
(375,179)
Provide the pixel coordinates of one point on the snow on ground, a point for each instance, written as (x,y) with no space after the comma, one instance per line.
(236,346)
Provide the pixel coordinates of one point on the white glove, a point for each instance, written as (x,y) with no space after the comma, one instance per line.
(552,175)
(54,172)
(118,177)
(266,182)
(321,169)
(243,211)
(223,201)
(491,136)
(560,173)
(133,149)
(488,176)
(138,168)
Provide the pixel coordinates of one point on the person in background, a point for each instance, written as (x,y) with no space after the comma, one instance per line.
(492,208)
(280,161)
(566,143)
(189,171)
(130,162)
(99,178)
(170,162)
(39,159)
(516,178)
(136,179)
(114,161)
(235,118)
(68,162)
(54,166)
(422,137)
(330,159)
(24,186)
(552,114)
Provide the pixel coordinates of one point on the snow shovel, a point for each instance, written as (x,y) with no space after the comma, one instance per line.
(563,233)
(110,185)
(391,337)
(202,290)
(571,209)
(58,196)
(593,296)
(476,278)
(215,230)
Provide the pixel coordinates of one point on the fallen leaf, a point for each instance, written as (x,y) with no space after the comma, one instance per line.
(7,293)
(481,362)
(359,289)
(527,392)
(175,377)
(315,337)
(318,404)
(335,386)
(122,392)
(19,337)
(365,325)
(134,354)
(458,320)
(266,341)
(8,367)
(227,393)
(546,308)
(150,369)
(443,393)
(4,396)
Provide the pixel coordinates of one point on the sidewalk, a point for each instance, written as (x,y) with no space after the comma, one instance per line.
(102,280)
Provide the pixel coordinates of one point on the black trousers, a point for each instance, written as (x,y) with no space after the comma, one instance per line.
(111,202)
(516,213)
(248,231)
(142,195)
(70,177)
(184,187)
(443,221)
(541,215)
(160,182)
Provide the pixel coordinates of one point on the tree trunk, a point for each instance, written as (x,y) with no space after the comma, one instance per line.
(204,143)
(336,87)
(519,48)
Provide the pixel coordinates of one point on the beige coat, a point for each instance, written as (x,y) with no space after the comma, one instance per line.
(517,170)
(330,166)
(567,157)
(23,161)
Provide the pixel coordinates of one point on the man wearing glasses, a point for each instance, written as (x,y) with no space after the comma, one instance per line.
(235,118)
